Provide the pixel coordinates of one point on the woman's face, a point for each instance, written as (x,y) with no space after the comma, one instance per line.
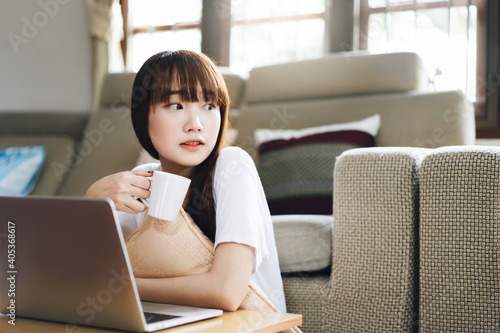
(184,133)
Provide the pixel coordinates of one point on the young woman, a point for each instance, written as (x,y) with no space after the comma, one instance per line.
(180,109)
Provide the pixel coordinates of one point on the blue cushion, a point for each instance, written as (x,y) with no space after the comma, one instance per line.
(19,169)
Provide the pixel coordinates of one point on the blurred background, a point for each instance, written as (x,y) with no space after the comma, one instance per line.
(55,53)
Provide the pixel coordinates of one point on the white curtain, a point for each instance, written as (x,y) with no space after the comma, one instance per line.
(100,33)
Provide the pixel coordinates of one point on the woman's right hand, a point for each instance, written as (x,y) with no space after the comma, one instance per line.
(123,188)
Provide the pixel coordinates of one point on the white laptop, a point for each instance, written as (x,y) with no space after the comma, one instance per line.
(70,264)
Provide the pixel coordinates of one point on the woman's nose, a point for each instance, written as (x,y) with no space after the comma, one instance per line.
(193,123)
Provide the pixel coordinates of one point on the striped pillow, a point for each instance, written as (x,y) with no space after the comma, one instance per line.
(296,166)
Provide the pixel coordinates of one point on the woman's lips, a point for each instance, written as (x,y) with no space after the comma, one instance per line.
(192,145)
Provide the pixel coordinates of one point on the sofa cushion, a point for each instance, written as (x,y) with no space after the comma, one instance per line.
(19,169)
(337,75)
(60,152)
(304,242)
(296,166)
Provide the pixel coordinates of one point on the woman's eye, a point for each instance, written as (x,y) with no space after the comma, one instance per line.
(209,107)
(175,106)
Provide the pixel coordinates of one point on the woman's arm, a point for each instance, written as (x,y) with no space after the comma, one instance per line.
(224,286)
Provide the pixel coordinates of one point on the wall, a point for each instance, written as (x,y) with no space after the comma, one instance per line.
(44,55)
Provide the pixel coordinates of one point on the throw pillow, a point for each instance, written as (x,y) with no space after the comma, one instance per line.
(296,166)
(19,169)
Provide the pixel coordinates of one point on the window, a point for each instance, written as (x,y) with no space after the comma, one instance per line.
(450,36)
(158,25)
(261,32)
(264,32)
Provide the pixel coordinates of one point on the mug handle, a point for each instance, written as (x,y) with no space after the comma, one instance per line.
(144,201)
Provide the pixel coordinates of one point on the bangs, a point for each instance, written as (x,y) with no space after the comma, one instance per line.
(174,73)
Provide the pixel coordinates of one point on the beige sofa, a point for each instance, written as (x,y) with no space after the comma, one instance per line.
(415,242)
(335,89)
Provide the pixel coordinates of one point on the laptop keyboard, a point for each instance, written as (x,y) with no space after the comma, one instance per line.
(155,317)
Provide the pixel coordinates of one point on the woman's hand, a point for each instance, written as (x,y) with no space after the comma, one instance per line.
(123,188)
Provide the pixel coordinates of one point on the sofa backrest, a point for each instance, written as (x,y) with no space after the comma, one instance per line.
(336,75)
(116,90)
(337,89)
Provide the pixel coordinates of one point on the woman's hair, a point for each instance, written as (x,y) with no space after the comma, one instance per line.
(183,72)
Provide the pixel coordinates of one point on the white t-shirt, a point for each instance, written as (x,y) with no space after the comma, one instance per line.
(242,216)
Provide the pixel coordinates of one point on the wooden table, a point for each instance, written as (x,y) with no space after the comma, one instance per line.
(229,322)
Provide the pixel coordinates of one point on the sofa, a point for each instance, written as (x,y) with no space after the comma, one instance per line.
(415,241)
(358,267)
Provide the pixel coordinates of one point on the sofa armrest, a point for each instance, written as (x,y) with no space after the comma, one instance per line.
(373,284)
(36,123)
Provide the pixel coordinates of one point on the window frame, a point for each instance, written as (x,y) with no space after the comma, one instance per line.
(129,32)
(487,115)
(492,81)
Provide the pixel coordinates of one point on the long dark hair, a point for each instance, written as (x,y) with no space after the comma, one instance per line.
(184,72)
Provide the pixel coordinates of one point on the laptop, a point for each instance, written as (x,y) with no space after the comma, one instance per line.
(65,259)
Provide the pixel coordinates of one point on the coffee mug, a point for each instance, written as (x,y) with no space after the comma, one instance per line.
(168,192)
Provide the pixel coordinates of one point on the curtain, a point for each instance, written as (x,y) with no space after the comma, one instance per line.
(100,34)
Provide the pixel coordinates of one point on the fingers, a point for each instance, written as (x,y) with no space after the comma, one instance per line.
(135,185)
(132,205)
(131,183)
(139,188)
(142,173)
(139,179)
(123,188)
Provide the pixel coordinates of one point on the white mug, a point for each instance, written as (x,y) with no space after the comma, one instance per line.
(168,192)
